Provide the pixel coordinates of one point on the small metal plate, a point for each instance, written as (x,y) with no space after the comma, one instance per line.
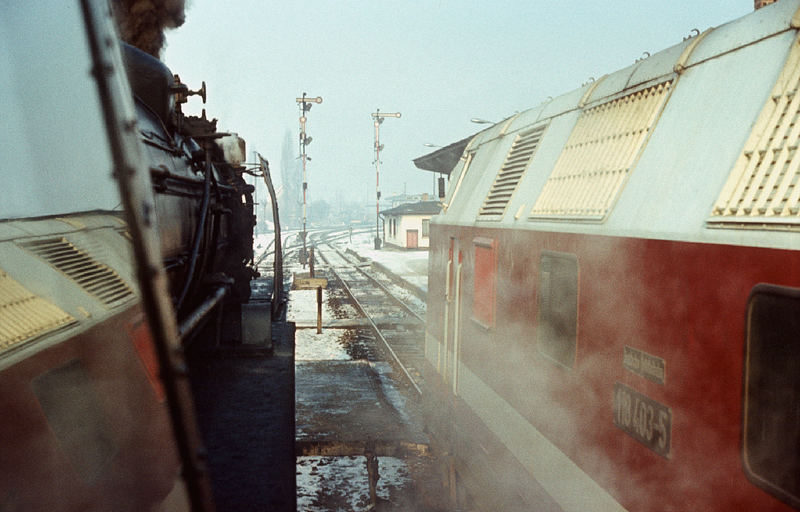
(644,419)
(641,363)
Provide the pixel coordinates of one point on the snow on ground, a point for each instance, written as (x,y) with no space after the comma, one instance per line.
(303,308)
(263,241)
(324,476)
(325,481)
(326,346)
(411,265)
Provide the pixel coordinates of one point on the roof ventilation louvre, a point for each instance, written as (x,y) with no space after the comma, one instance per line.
(97,279)
(599,155)
(508,177)
(763,188)
(24,315)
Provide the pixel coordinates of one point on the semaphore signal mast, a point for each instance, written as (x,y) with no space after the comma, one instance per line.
(305,105)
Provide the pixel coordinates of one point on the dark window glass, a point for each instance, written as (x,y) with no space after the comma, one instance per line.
(75,414)
(772,391)
(557,319)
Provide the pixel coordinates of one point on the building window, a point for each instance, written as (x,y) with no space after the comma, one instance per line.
(557,319)
(426,228)
(771,430)
(484,290)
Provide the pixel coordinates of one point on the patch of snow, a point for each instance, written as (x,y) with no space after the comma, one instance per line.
(410,265)
(303,307)
(321,478)
(310,346)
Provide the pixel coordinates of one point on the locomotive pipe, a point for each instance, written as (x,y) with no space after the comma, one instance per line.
(211,230)
(198,236)
(194,319)
(160,174)
(277,292)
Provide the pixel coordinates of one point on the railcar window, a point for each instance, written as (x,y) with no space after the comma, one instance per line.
(484,290)
(75,414)
(772,391)
(557,318)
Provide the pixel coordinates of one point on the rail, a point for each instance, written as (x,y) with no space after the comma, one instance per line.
(396,358)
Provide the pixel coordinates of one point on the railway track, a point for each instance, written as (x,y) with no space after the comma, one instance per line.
(357,407)
(397,322)
(293,243)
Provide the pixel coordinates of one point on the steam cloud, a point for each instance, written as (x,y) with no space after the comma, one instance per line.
(141,23)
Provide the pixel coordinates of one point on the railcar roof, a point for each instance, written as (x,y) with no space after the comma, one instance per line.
(661,141)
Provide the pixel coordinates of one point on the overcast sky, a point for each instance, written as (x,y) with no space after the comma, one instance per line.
(438,62)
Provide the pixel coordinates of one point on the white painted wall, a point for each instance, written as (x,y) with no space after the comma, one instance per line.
(404,224)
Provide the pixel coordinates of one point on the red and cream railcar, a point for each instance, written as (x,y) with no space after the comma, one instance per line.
(89,416)
(614,287)
(84,424)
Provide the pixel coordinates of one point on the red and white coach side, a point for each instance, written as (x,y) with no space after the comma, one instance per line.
(614,287)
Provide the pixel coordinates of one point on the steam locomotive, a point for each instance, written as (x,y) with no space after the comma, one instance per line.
(613,315)
(88,420)
(204,206)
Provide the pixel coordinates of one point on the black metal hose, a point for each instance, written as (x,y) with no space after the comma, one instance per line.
(198,236)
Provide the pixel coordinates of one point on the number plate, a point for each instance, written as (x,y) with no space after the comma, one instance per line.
(644,419)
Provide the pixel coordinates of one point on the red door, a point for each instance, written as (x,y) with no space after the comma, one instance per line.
(412,239)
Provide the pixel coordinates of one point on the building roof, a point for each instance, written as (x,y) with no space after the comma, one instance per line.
(443,160)
(420,208)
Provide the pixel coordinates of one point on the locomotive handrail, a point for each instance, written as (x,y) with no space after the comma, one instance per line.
(277,279)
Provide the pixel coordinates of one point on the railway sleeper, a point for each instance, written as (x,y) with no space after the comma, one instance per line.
(393,324)
(370,450)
